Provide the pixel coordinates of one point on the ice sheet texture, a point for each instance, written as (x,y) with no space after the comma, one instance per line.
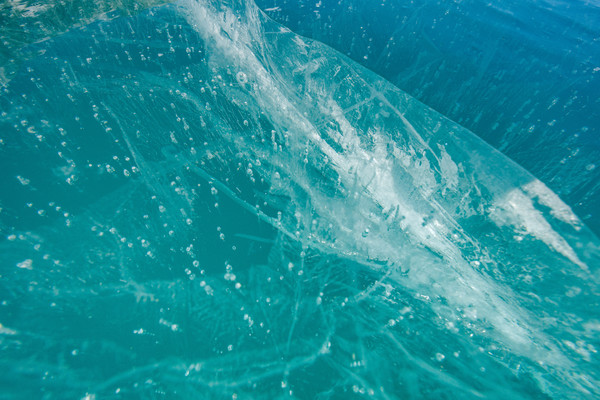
(522,75)
(199,203)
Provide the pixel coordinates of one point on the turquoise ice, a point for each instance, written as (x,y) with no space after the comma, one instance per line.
(199,203)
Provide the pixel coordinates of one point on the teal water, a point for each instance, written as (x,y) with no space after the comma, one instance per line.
(199,203)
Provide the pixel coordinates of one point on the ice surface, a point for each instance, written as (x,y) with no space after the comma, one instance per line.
(198,203)
(522,75)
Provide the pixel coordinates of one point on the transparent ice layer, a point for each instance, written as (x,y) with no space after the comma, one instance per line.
(198,203)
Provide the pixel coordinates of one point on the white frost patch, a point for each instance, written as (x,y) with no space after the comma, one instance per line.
(548,198)
(7,331)
(22,180)
(419,168)
(301,43)
(449,170)
(26,264)
(520,212)
(27,10)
